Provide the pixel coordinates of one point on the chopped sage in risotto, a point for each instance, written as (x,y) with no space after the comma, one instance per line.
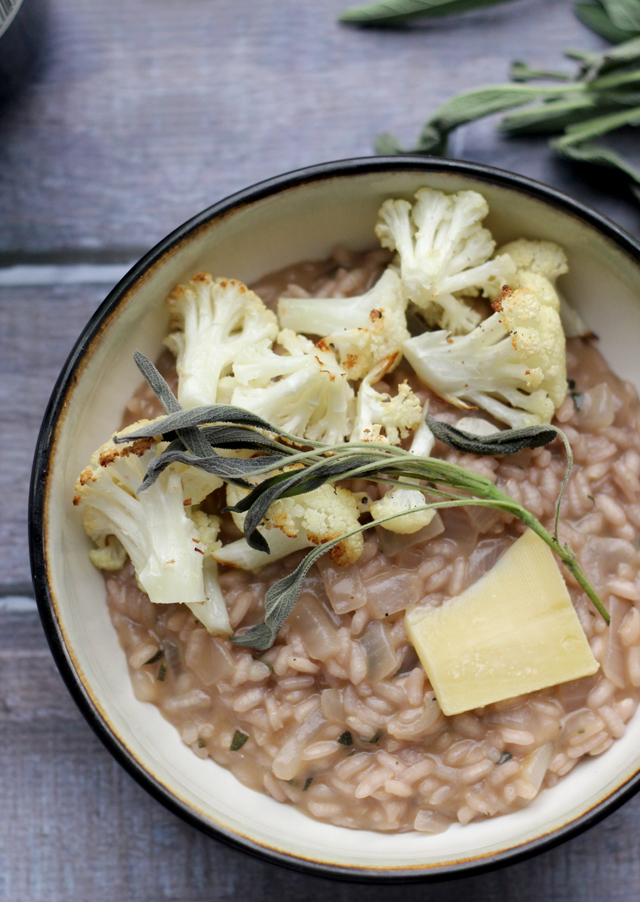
(369,530)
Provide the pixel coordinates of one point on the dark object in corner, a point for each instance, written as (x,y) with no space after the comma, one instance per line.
(23,34)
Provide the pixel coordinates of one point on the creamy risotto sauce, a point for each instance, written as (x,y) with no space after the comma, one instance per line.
(337,718)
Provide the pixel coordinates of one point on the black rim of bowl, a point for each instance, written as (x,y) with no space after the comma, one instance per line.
(37,505)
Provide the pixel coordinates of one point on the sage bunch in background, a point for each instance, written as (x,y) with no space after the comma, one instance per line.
(600,98)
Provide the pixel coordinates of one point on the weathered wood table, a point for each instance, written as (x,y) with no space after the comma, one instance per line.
(146,112)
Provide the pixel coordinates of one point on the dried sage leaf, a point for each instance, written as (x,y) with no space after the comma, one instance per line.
(279,601)
(231,469)
(198,416)
(158,384)
(239,739)
(508,441)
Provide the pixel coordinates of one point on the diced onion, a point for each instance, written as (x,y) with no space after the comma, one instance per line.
(393,543)
(332,705)
(343,586)
(601,557)
(536,765)
(476,426)
(613,661)
(381,658)
(393,592)
(596,410)
(208,658)
(483,557)
(314,626)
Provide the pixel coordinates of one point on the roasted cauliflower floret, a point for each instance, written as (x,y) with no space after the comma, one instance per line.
(444,252)
(213,321)
(155,528)
(403,499)
(377,411)
(535,259)
(304,392)
(544,257)
(303,521)
(513,364)
(360,330)
(400,500)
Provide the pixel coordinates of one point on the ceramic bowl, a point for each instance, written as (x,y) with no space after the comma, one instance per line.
(295,217)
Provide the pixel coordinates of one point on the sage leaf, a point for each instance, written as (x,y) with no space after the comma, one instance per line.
(327,470)
(604,97)
(613,81)
(554,116)
(387,145)
(600,125)
(158,384)
(483,102)
(393,12)
(625,14)
(223,436)
(612,58)
(198,416)
(519,71)
(231,469)
(600,156)
(280,600)
(296,482)
(509,441)
(431,140)
(595,17)
(239,739)
(237,438)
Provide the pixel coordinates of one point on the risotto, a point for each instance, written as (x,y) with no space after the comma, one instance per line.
(337,717)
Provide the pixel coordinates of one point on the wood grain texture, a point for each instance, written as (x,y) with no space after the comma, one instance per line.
(38,327)
(75,826)
(145,114)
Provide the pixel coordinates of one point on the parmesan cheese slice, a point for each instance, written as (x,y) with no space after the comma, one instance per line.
(514,631)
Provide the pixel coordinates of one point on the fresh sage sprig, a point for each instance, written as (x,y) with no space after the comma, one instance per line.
(601,98)
(280,599)
(602,17)
(395,12)
(615,20)
(291,466)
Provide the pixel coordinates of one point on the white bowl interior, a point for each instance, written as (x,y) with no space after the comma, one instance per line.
(301,223)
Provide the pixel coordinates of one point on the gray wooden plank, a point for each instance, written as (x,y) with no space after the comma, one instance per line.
(38,326)
(75,826)
(146,115)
